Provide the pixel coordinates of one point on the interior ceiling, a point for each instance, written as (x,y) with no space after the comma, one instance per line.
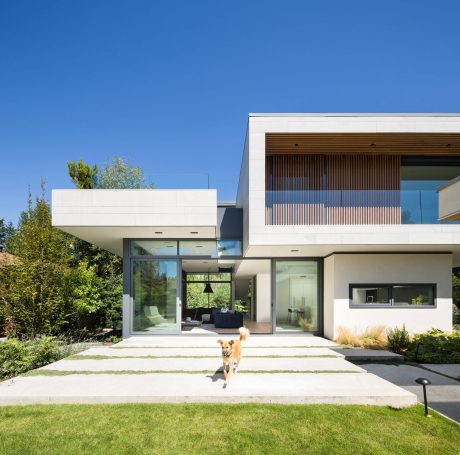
(369,143)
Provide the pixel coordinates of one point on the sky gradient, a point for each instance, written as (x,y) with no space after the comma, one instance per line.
(169,84)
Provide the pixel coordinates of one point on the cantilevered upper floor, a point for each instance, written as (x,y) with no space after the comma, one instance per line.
(313,184)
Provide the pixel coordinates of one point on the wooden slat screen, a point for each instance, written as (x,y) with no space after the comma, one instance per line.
(332,189)
(363,189)
(294,187)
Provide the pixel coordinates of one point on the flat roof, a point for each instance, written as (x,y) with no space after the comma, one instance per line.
(355,114)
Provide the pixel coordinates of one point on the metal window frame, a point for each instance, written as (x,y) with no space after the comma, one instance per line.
(320,290)
(391,303)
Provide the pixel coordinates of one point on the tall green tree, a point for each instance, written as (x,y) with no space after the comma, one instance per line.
(39,295)
(6,230)
(82,175)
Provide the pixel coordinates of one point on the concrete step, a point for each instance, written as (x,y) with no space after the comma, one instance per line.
(207,351)
(360,388)
(204,364)
(368,355)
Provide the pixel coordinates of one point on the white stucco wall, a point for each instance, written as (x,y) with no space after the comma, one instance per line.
(242,197)
(449,203)
(149,207)
(387,269)
(263,295)
(328,296)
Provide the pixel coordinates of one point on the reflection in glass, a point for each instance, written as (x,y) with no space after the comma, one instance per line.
(370,295)
(154,296)
(198,248)
(229,247)
(413,295)
(153,248)
(296,296)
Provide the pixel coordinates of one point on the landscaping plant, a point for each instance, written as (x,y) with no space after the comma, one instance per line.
(371,338)
(17,357)
(435,346)
(398,339)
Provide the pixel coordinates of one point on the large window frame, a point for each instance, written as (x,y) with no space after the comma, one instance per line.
(391,303)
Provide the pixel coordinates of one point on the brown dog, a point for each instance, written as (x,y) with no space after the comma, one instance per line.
(231,353)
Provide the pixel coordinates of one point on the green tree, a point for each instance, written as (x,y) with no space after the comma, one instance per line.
(38,297)
(119,174)
(108,267)
(6,230)
(81,174)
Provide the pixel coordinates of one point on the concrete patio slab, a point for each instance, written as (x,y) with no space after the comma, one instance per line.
(204,364)
(207,351)
(339,388)
(206,341)
(284,379)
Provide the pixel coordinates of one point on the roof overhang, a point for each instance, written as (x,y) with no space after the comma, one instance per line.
(106,217)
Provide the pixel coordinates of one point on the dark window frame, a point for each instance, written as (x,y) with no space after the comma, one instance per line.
(391,303)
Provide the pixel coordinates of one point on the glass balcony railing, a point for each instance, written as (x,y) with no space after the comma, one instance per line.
(352,207)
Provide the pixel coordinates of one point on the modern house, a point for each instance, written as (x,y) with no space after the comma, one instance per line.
(337,222)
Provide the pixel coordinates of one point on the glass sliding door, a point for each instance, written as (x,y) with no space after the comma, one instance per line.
(296,296)
(154,293)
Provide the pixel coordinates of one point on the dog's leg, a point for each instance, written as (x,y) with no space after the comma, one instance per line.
(225,375)
(230,370)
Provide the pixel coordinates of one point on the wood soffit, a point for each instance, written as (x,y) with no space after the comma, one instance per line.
(368,143)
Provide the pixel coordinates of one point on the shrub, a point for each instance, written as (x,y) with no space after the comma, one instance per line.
(113,339)
(436,346)
(398,339)
(371,338)
(17,357)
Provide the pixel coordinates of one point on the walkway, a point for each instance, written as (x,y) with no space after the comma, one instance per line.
(288,369)
(443,393)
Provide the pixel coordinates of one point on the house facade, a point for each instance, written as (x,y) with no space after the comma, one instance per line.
(339,220)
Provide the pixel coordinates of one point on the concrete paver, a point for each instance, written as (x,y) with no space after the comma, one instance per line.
(213,351)
(206,341)
(338,388)
(205,364)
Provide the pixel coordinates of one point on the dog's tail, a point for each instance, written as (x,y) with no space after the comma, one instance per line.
(244,333)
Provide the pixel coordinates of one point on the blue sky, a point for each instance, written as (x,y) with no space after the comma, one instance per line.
(169,84)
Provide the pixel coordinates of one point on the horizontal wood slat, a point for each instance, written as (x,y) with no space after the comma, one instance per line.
(367,143)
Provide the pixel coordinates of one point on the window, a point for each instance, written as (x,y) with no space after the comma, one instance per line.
(221,296)
(198,248)
(154,248)
(229,247)
(393,295)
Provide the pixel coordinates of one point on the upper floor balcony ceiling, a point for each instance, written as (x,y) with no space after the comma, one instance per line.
(363,143)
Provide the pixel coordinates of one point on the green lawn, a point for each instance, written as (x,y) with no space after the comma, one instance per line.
(223,429)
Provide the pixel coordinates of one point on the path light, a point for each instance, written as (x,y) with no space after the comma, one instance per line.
(424,382)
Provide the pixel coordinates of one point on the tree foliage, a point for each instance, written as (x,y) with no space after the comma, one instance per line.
(119,174)
(6,230)
(37,297)
(82,175)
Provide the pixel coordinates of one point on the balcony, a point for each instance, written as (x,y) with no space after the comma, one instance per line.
(340,207)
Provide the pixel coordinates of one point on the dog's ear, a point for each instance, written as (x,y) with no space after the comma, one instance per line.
(220,341)
(231,342)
